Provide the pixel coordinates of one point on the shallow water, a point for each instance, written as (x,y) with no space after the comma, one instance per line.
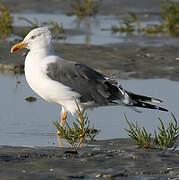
(30,124)
(96,30)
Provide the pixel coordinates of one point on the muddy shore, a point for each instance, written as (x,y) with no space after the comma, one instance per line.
(127,61)
(112,159)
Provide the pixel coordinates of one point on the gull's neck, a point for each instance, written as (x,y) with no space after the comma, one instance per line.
(43,51)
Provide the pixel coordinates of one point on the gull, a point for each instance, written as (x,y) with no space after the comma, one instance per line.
(66,83)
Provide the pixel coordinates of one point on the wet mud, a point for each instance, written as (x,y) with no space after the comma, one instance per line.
(123,61)
(110,159)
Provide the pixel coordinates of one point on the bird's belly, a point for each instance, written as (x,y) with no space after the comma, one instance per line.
(50,90)
(38,84)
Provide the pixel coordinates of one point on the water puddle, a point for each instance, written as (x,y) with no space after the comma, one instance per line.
(95,30)
(30,124)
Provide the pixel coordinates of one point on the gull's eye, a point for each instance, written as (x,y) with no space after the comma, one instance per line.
(33,37)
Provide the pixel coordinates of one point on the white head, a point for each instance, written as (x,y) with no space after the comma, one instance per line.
(39,38)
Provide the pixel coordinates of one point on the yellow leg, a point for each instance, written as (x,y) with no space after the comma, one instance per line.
(60,142)
(63,120)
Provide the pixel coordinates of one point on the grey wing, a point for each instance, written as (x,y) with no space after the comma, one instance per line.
(91,85)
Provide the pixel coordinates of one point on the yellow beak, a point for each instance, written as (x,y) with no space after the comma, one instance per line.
(18,46)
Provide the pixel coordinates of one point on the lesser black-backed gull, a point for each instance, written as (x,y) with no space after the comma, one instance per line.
(65,82)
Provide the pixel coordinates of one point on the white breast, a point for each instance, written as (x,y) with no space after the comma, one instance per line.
(48,89)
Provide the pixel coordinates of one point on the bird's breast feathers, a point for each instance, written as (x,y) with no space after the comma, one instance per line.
(48,89)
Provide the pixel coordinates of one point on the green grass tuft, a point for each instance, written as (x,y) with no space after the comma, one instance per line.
(170,15)
(140,135)
(170,21)
(6,21)
(84,8)
(166,137)
(79,132)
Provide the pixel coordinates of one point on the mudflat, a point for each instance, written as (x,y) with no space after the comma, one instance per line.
(109,159)
(125,61)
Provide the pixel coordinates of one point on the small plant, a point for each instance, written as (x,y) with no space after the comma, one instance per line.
(170,15)
(153,29)
(84,8)
(128,25)
(124,27)
(141,136)
(133,18)
(5,22)
(79,132)
(170,22)
(167,136)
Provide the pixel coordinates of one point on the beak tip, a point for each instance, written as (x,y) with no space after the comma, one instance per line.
(14,49)
(18,46)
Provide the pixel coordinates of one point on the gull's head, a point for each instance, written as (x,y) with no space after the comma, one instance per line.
(38,38)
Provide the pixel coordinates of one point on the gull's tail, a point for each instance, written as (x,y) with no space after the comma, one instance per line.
(144,102)
(118,95)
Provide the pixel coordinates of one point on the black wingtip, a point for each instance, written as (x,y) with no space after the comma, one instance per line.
(157,108)
(142,98)
(149,106)
(161,109)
